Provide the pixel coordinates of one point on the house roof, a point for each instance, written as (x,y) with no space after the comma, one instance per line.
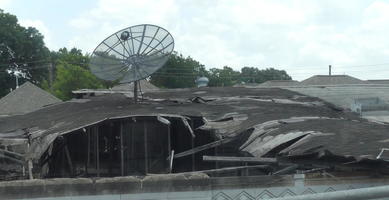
(332,80)
(277,83)
(279,122)
(26,98)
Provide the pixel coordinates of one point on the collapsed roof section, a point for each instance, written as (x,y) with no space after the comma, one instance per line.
(205,129)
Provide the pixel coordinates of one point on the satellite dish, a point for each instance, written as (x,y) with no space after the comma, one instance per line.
(132,54)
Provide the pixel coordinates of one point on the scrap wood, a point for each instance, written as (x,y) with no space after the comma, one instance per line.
(239,159)
(227,169)
(204,147)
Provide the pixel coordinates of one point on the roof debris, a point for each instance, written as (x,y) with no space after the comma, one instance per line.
(183,130)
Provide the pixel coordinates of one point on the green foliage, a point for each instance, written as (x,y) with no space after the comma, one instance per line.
(74,57)
(223,77)
(30,52)
(73,77)
(72,73)
(255,75)
(178,72)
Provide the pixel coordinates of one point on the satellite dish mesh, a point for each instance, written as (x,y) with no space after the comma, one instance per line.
(132,54)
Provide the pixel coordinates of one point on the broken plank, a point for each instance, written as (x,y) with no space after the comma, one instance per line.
(227,169)
(203,147)
(12,159)
(12,154)
(286,170)
(239,159)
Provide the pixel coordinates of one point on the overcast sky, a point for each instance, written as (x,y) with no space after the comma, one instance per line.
(301,36)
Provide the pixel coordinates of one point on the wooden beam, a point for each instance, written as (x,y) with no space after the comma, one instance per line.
(69,159)
(227,169)
(132,155)
(97,152)
(12,154)
(121,149)
(169,145)
(193,146)
(204,147)
(239,159)
(145,142)
(171,157)
(163,120)
(12,159)
(29,165)
(87,151)
(286,170)
(186,124)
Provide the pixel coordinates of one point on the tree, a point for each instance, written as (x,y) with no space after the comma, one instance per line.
(72,73)
(30,53)
(255,75)
(73,77)
(223,77)
(274,74)
(178,72)
(74,57)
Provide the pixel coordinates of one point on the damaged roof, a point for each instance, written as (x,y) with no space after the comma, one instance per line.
(280,122)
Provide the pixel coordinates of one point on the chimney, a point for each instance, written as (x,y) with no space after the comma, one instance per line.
(329,70)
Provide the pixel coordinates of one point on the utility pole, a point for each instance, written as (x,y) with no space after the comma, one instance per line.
(51,67)
(329,70)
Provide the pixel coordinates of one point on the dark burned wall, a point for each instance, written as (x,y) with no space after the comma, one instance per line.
(145,145)
(97,150)
(130,146)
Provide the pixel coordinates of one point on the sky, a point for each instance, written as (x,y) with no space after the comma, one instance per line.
(302,37)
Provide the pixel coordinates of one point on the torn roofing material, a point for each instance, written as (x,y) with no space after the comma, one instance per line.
(279,122)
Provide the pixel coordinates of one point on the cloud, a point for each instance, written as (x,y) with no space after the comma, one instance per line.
(42,28)
(302,37)
(4,4)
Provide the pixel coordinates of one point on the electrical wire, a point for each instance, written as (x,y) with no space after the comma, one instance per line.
(177,71)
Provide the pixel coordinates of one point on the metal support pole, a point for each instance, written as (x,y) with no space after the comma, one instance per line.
(135,91)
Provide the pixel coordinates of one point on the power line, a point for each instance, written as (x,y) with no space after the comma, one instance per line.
(45,61)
